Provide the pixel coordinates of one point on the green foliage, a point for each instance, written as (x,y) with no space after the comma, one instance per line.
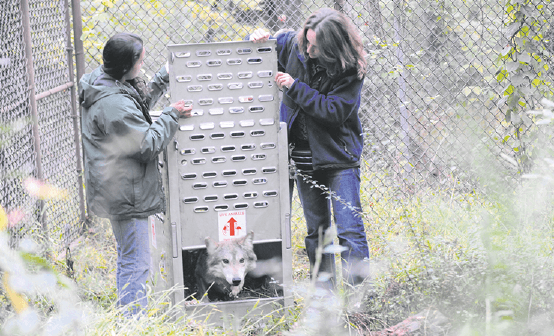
(524,58)
(96,276)
(485,264)
(161,23)
(37,300)
(524,71)
(475,261)
(481,256)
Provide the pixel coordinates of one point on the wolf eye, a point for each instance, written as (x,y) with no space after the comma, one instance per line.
(225,261)
(241,260)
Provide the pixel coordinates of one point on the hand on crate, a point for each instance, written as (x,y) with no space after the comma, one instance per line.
(184,109)
(259,35)
(284,80)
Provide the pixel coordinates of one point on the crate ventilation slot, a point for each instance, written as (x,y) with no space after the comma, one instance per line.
(210,198)
(229,173)
(203,53)
(229,197)
(223,52)
(188,151)
(244,75)
(208,150)
(262,204)
(210,174)
(220,184)
(205,77)
(224,76)
(190,200)
(249,171)
(229,148)
(214,63)
(201,209)
(221,207)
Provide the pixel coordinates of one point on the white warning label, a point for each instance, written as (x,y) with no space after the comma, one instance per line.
(232,224)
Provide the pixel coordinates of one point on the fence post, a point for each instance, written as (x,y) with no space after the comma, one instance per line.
(75,115)
(77,33)
(80,65)
(26,21)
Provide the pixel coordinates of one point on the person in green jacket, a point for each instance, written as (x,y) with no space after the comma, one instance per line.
(121,146)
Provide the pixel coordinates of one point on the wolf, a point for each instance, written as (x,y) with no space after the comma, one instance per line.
(221,269)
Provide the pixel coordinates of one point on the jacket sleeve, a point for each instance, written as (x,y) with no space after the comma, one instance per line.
(333,108)
(158,86)
(130,135)
(284,46)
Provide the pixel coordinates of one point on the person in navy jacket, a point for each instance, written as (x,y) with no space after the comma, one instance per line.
(321,72)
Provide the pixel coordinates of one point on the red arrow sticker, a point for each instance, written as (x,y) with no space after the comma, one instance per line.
(232,224)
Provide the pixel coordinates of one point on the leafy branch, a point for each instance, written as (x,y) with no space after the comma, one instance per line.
(523,69)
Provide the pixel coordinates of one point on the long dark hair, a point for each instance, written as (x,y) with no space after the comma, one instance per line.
(339,44)
(120,54)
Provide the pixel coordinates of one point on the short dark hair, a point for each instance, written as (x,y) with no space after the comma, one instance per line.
(339,44)
(120,54)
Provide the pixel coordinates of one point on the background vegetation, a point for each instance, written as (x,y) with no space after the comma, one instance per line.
(457,178)
(476,265)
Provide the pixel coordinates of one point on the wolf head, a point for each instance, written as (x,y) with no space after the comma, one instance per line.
(230,261)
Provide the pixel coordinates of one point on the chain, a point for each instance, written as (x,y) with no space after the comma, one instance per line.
(69,263)
(295,172)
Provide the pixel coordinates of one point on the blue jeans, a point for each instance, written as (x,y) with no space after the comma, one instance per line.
(133,263)
(344,183)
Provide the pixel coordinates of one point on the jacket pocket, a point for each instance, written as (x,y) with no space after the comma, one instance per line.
(118,193)
(346,150)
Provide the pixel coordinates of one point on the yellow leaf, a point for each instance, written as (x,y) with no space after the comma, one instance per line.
(3,219)
(43,190)
(18,302)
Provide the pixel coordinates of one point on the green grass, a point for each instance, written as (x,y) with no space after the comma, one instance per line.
(484,264)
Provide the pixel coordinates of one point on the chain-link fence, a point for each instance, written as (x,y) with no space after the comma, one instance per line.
(432,78)
(432,81)
(38,119)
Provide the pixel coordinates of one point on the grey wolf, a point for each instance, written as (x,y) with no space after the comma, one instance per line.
(221,269)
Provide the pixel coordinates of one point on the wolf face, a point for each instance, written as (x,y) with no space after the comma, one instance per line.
(222,268)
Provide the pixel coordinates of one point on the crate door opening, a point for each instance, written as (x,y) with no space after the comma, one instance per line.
(264,281)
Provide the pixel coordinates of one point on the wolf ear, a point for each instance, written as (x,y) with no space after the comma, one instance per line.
(249,239)
(210,245)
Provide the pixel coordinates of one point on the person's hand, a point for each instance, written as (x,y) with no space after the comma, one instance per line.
(259,35)
(283,80)
(184,109)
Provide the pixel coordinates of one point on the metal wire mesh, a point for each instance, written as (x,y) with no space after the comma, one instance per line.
(55,115)
(18,153)
(430,83)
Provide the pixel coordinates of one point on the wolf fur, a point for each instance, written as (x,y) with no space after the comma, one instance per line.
(221,269)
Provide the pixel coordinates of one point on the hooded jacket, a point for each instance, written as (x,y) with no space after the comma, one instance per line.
(121,146)
(333,127)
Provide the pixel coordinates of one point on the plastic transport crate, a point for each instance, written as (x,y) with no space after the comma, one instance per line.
(225,174)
